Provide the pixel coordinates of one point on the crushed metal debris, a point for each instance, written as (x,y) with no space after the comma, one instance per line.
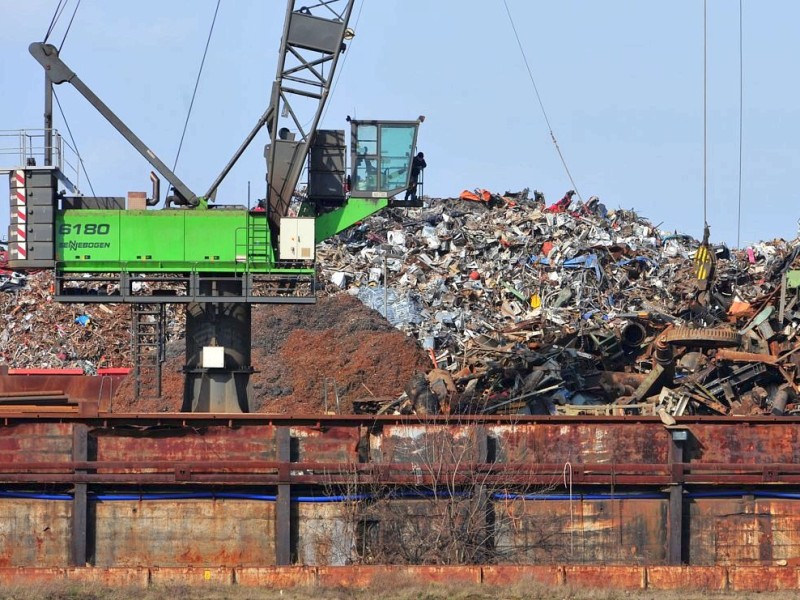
(522,308)
(575,309)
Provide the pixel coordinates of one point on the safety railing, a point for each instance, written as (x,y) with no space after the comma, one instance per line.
(29,147)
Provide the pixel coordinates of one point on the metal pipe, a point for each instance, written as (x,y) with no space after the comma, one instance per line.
(156,190)
(633,335)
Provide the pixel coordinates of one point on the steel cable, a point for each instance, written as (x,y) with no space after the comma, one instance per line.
(74,144)
(62,4)
(741,119)
(196,85)
(705,113)
(541,104)
(69,26)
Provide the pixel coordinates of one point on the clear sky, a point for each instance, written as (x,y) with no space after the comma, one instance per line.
(621,80)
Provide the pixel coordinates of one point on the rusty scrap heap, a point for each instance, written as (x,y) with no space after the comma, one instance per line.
(36,331)
(574,309)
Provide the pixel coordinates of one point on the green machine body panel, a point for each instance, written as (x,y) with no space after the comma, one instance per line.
(166,241)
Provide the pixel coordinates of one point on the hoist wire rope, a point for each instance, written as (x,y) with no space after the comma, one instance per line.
(69,25)
(344,61)
(539,99)
(74,143)
(196,85)
(705,114)
(741,120)
(62,4)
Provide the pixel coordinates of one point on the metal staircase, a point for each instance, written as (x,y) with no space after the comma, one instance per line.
(148,323)
(258,239)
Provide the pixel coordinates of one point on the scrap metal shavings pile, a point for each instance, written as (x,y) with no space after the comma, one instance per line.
(574,309)
(36,331)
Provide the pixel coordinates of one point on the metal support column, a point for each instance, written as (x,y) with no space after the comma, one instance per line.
(675,514)
(283,508)
(48,121)
(80,507)
(483,496)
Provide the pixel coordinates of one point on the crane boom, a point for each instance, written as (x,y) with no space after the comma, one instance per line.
(310,42)
(59,72)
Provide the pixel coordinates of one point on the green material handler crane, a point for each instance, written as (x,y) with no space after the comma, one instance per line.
(217,259)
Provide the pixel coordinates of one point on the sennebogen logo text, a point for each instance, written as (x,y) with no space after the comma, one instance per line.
(84,245)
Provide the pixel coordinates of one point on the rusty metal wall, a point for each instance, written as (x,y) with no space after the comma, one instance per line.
(744,531)
(184,533)
(34,533)
(555,490)
(583,531)
(325,534)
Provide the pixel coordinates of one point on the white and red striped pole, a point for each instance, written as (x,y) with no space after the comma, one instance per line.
(20,199)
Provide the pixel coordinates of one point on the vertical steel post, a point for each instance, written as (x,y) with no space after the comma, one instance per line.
(483,494)
(675,512)
(80,508)
(48,121)
(283,508)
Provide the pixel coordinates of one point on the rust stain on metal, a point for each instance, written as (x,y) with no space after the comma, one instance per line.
(686,578)
(389,576)
(613,531)
(327,444)
(137,577)
(205,444)
(30,575)
(184,533)
(509,575)
(762,579)
(275,577)
(737,356)
(582,442)
(192,576)
(655,578)
(617,577)
(748,445)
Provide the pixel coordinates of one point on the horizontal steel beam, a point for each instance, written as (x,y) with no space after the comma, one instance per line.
(235,420)
(331,473)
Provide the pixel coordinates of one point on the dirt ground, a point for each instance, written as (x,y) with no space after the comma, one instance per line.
(297,350)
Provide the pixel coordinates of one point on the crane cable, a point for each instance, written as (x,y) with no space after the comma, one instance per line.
(196,85)
(741,110)
(60,7)
(704,260)
(541,104)
(74,143)
(341,66)
(705,114)
(69,26)
(62,4)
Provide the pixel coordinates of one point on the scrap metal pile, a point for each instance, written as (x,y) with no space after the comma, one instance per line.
(36,331)
(574,309)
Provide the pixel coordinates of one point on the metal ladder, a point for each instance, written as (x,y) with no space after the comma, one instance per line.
(257,239)
(147,332)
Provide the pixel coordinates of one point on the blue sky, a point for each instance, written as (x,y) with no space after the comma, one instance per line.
(622,81)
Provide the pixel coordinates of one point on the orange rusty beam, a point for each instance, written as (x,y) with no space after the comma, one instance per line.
(561,578)
(737,356)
